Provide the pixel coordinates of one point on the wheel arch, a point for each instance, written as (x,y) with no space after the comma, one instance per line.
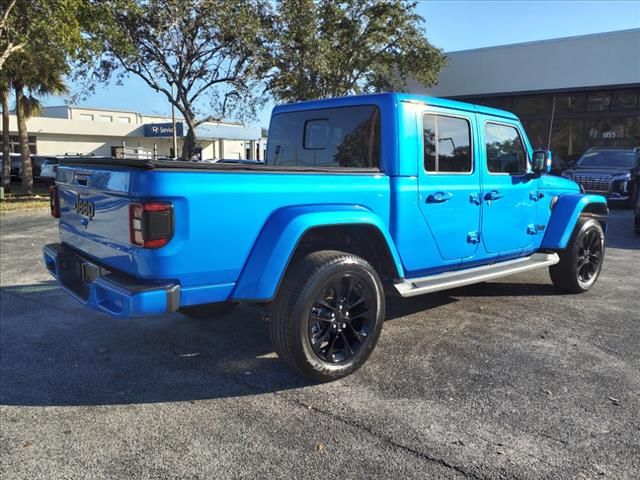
(296,231)
(566,211)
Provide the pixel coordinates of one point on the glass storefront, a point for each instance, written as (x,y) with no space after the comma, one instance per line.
(581,119)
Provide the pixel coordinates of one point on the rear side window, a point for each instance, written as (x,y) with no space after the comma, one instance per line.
(505,150)
(447,144)
(347,137)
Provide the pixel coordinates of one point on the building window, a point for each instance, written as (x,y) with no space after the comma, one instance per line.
(612,132)
(106,118)
(505,151)
(532,105)
(503,103)
(573,102)
(625,99)
(568,137)
(537,132)
(85,116)
(598,101)
(14,144)
(124,119)
(446,144)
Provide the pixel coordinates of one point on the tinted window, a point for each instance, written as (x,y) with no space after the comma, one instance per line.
(570,103)
(505,151)
(331,137)
(532,104)
(447,144)
(624,99)
(598,101)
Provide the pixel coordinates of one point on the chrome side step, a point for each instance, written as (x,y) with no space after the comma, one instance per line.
(459,278)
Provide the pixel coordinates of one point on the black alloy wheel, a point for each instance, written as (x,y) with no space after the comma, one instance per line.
(589,256)
(341,318)
(581,261)
(327,315)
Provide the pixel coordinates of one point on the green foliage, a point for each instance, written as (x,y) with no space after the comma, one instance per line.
(211,51)
(48,33)
(328,48)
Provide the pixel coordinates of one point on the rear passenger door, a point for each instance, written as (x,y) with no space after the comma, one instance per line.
(449,183)
(508,189)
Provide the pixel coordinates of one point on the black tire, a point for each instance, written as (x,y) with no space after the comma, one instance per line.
(208,310)
(581,262)
(328,299)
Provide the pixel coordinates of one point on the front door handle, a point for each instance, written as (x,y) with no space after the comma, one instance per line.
(493,195)
(439,197)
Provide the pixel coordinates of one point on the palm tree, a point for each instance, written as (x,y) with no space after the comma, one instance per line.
(6,148)
(45,78)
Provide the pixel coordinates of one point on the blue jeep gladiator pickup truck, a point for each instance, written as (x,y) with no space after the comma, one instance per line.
(359,197)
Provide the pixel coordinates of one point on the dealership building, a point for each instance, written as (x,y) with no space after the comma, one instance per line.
(61,130)
(570,93)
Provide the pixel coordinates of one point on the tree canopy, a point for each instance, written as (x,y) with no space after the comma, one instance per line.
(205,56)
(328,48)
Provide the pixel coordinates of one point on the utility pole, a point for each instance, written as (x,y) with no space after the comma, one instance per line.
(173,127)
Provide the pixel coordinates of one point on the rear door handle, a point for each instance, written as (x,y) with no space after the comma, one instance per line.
(493,195)
(439,197)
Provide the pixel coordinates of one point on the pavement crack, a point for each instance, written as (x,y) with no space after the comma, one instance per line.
(385,438)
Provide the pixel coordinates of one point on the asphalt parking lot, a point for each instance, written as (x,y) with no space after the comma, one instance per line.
(507,379)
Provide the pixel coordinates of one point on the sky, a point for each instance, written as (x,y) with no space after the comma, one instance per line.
(450,25)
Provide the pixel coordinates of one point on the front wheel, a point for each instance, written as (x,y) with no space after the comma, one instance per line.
(327,315)
(581,262)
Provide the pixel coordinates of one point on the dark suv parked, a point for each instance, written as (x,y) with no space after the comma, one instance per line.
(607,171)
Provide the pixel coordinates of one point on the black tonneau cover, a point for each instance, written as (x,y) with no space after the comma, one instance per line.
(148,164)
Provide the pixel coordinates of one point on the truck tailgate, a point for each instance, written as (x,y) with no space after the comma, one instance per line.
(94,212)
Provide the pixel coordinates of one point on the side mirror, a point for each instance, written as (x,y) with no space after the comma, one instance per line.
(541,162)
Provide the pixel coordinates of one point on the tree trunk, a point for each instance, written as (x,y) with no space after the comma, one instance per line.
(189,144)
(6,148)
(23,136)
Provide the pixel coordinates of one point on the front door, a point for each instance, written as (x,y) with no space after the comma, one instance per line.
(449,184)
(508,190)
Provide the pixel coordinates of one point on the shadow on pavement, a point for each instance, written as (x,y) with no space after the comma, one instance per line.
(55,352)
(620,230)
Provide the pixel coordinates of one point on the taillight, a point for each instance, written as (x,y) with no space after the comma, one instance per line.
(54,201)
(150,224)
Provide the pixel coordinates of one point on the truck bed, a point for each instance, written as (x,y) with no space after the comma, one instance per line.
(218,216)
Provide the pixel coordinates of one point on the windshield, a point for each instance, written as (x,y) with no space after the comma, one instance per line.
(608,158)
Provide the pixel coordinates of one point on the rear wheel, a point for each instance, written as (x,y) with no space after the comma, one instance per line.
(581,262)
(328,315)
(209,310)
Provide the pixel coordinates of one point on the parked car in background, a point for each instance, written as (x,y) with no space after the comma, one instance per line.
(36,166)
(48,170)
(610,172)
(16,166)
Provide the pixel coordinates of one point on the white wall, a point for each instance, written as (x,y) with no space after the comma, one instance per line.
(611,58)
(100,146)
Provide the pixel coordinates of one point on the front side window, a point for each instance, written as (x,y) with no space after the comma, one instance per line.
(347,137)
(505,150)
(446,144)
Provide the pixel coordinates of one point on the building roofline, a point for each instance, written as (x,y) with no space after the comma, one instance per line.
(133,112)
(546,40)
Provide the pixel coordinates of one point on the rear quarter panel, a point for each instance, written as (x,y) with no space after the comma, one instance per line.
(218,218)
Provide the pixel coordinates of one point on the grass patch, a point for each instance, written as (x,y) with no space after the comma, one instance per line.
(23,203)
(16,201)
